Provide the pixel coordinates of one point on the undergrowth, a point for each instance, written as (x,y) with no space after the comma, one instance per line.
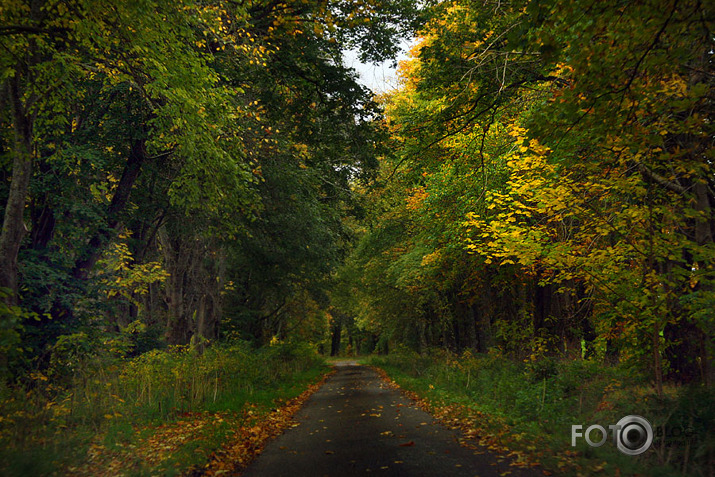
(530,408)
(87,401)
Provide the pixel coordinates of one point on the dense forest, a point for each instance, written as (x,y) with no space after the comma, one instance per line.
(203,176)
(551,187)
(184,169)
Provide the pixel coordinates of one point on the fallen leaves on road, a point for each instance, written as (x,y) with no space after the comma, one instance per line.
(250,440)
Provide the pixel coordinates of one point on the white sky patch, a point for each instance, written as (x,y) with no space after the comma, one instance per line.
(380,78)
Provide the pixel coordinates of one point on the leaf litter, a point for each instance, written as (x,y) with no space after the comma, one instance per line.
(248,431)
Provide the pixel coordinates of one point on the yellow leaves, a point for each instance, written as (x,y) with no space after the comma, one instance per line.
(517,132)
(472,218)
(676,86)
(124,278)
(538,148)
(37,376)
(431,258)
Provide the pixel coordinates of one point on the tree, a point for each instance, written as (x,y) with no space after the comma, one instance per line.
(54,52)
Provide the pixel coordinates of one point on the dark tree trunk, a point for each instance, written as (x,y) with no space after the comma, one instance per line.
(482,322)
(177,326)
(43,227)
(13,226)
(336,332)
(542,304)
(208,318)
(94,247)
(472,340)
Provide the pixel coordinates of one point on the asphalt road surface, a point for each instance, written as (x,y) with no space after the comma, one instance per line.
(358,425)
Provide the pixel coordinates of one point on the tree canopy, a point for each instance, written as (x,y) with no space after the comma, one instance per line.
(552,187)
(187,166)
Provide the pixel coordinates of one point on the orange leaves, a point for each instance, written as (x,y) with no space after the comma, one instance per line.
(163,444)
(416,196)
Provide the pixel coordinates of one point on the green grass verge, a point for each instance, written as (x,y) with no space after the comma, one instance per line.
(111,411)
(530,408)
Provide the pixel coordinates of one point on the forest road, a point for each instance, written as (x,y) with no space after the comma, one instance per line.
(356,424)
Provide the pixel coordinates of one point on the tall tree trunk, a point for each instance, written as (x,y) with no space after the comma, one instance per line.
(94,248)
(482,323)
(209,315)
(472,337)
(704,233)
(542,307)
(336,331)
(13,226)
(177,326)
(690,352)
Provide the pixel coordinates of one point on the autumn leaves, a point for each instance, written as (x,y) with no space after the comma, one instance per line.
(556,162)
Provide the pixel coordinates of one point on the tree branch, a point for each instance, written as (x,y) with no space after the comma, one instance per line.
(660,180)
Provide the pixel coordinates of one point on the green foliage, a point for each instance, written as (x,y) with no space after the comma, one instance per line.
(122,279)
(12,321)
(163,383)
(542,184)
(186,157)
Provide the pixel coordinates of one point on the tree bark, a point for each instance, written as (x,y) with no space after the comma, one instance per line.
(336,332)
(13,226)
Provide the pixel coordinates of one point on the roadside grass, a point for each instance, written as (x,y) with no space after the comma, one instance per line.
(527,410)
(160,413)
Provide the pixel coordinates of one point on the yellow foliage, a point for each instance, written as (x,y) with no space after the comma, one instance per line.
(122,277)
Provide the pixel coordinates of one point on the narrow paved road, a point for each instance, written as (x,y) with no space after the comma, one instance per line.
(357,425)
